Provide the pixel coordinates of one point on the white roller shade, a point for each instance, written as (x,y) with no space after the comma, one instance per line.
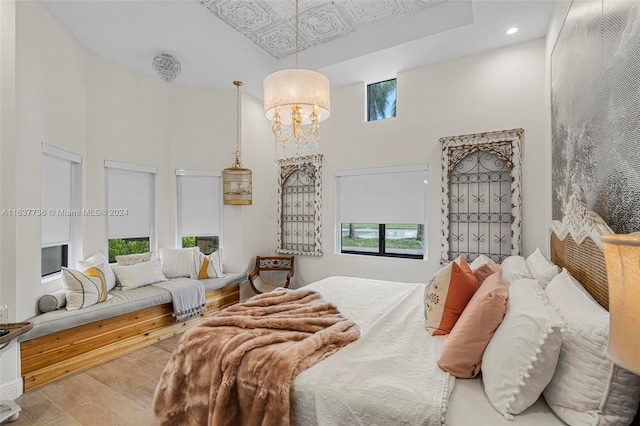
(382,195)
(199,201)
(56,200)
(129,203)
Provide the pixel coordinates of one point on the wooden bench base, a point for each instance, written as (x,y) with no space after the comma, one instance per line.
(51,357)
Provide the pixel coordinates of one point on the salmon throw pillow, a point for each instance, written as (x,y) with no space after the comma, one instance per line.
(461,353)
(446,296)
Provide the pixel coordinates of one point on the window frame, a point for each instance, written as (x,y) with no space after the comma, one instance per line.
(368,97)
(382,246)
(153,171)
(73,252)
(423,167)
(199,173)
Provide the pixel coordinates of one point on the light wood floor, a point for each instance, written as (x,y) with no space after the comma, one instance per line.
(118,392)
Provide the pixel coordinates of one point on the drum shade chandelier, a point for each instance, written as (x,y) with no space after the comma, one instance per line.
(296,101)
(236,180)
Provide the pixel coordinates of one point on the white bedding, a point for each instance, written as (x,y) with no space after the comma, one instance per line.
(390,375)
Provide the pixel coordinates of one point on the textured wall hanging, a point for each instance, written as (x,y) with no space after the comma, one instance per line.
(481,203)
(300,206)
(595,111)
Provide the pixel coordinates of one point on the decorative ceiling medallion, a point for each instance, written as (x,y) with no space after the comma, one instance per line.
(269,23)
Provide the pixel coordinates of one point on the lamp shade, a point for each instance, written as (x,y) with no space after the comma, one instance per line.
(301,87)
(622,256)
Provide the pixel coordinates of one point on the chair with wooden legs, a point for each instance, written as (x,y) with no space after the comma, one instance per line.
(267,270)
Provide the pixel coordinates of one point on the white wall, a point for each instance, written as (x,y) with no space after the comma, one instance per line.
(496,90)
(9,383)
(203,136)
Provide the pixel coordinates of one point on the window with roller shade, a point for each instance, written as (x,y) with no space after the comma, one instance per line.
(199,200)
(130,208)
(61,203)
(381,211)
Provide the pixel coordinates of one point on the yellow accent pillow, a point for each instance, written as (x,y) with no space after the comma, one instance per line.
(207,266)
(86,288)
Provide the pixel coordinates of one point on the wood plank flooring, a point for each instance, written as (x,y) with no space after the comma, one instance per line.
(115,393)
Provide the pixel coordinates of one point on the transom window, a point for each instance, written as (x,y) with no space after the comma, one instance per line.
(381,100)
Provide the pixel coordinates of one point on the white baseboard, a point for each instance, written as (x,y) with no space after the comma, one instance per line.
(11,390)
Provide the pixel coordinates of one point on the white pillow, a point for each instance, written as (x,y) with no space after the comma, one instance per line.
(514,268)
(207,266)
(132,259)
(177,262)
(96,259)
(84,289)
(140,274)
(521,357)
(587,388)
(541,269)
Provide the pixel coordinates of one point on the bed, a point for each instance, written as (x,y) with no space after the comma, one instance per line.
(390,375)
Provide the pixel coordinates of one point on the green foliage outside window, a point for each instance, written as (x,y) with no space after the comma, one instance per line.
(188,242)
(350,236)
(122,246)
(207,245)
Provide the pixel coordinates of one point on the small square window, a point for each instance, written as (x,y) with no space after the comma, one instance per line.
(381,100)
(53,259)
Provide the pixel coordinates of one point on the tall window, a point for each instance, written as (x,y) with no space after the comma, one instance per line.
(60,209)
(381,100)
(381,211)
(130,208)
(199,209)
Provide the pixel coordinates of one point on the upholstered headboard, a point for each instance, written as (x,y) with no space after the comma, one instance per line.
(576,244)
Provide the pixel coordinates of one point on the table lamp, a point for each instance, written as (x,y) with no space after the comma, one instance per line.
(622,256)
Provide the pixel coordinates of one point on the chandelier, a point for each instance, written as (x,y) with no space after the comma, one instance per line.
(296,101)
(236,180)
(167,67)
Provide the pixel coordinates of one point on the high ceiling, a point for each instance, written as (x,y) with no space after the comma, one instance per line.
(219,41)
(271,25)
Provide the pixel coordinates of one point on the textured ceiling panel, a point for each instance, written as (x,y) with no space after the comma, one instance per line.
(270,24)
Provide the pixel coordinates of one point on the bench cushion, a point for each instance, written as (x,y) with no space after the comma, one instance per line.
(121,302)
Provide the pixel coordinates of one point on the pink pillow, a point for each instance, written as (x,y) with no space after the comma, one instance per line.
(483,272)
(447,294)
(463,349)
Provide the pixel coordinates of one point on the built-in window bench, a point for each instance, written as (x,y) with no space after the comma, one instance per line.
(64,342)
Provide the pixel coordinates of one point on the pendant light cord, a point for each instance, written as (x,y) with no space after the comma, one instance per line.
(297,42)
(238,127)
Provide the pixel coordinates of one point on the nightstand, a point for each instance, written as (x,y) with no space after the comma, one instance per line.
(9,410)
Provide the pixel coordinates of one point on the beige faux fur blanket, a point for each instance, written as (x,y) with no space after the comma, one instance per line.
(237,367)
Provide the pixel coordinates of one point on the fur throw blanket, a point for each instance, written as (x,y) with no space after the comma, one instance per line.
(238,366)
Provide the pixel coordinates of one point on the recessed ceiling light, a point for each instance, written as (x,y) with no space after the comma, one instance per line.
(512,30)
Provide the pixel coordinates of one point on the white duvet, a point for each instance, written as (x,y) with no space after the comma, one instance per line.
(390,376)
